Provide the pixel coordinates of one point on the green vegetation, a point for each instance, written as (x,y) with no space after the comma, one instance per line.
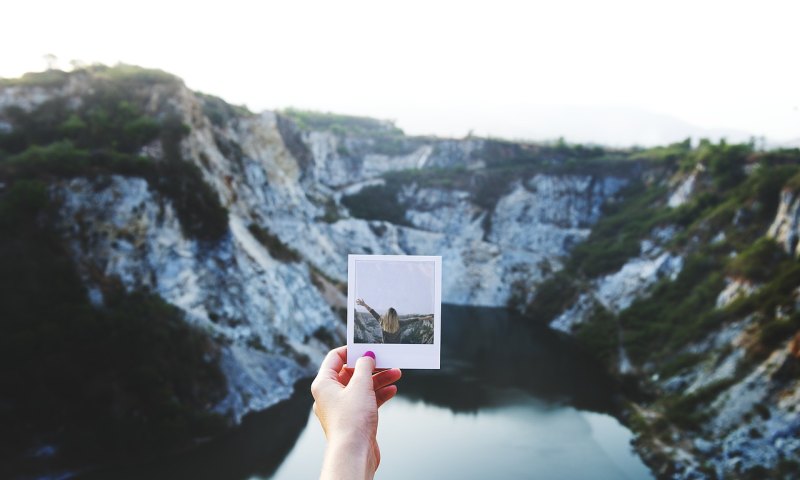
(553,297)
(341,124)
(690,411)
(758,262)
(331,213)
(378,202)
(600,335)
(679,311)
(116,381)
(557,158)
(126,76)
(618,235)
(46,79)
(671,155)
(131,76)
(675,312)
(724,162)
(794,182)
(679,363)
(380,136)
(125,376)
(220,112)
(277,249)
(777,330)
(507,163)
(103,136)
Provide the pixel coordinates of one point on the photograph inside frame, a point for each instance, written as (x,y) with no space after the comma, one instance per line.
(394,302)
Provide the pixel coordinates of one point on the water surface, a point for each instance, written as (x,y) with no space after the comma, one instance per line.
(512,400)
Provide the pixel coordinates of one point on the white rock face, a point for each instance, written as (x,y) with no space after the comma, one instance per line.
(575,314)
(755,426)
(235,291)
(785,229)
(618,290)
(683,193)
(336,162)
(480,269)
(550,214)
(735,288)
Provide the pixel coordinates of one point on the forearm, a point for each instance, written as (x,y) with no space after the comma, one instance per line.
(374,313)
(348,458)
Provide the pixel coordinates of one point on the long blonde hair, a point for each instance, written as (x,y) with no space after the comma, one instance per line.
(390,322)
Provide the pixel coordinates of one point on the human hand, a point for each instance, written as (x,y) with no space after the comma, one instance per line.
(346,403)
(361,302)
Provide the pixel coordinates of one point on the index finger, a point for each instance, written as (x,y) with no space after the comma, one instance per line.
(333,363)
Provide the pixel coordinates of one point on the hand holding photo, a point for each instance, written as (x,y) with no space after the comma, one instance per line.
(394,309)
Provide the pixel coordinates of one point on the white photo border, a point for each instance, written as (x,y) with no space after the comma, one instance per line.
(419,356)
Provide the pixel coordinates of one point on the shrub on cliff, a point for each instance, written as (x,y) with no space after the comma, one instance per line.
(377,203)
(758,262)
(104,135)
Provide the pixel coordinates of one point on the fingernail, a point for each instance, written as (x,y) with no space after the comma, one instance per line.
(369,353)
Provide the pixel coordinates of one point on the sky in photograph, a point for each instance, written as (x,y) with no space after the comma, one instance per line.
(406,286)
(616,72)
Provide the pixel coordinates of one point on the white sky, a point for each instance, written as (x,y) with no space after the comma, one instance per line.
(406,286)
(610,71)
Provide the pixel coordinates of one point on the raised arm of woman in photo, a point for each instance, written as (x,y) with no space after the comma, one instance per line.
(361,302)
(346,403)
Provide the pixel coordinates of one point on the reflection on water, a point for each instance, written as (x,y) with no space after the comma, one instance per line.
(511,401)
(254,449)
(523,439)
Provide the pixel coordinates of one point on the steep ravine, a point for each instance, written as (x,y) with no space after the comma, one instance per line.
(262,275)
(580,237)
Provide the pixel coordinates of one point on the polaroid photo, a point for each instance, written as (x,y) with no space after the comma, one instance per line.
(394,308)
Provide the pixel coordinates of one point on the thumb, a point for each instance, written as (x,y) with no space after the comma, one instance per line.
(362,372)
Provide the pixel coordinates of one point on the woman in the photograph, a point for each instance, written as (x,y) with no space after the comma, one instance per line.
(390,322)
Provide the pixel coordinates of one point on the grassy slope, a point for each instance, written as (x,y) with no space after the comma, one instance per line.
(721,233)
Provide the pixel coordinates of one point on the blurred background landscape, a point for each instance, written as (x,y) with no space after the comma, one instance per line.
(614,190)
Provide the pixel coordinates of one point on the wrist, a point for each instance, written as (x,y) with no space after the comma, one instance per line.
(353,442)
(349,456)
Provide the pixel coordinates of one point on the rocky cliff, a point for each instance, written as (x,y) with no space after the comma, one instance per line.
(701,312)
(242,222)
(414,329)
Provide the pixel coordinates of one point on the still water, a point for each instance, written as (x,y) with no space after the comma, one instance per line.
(511,401)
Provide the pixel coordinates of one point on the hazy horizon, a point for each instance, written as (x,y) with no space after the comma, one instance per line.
(617,74)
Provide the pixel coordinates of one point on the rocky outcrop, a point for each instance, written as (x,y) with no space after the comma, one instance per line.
(548,214)
(616,291)
(785,229)
(366,328)
(685,188)
(755,422)
(414,329)
(236,291)
(736,288)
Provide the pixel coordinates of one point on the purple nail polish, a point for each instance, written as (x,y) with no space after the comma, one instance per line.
(369,353)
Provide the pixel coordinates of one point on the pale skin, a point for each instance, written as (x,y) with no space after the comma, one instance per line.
(361,302)
(346,401)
